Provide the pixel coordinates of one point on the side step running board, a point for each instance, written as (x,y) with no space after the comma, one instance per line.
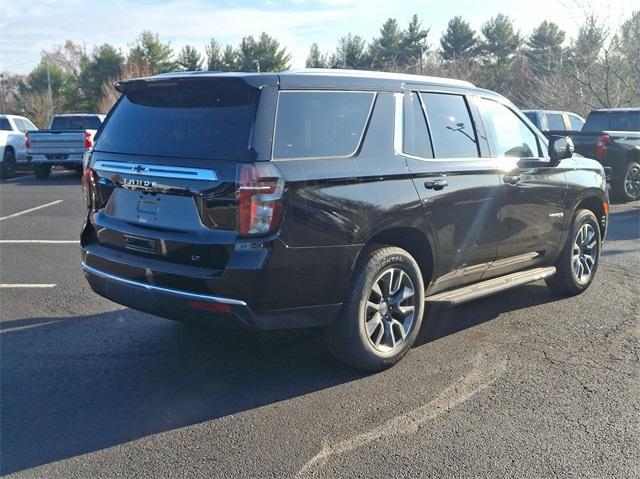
(491,286)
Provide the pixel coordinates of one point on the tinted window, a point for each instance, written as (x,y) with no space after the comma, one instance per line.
(575,122)
(509,135)
(24,125)
(75,123)
(320,124)
(533,117)
(451,126)
(194,119)
(596,122)
(555,121)
(627,121)
(5,125)
(416,136)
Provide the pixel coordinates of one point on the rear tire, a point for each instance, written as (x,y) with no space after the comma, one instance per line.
(627,187)
(577,264)
(382,314)
(41,171)
(8,168)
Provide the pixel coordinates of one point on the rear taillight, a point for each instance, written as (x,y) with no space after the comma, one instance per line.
(601,146)
(89,181)
(27,141)
(88,140)
(260,188)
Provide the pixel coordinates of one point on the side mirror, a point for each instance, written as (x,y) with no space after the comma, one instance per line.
(560,147)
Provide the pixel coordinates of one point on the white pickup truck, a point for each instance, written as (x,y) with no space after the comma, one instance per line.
(12,149)
(63,144)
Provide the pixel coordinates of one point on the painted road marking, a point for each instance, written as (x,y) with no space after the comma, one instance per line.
(18,178)
(17,285)
(39,241)
(30,210)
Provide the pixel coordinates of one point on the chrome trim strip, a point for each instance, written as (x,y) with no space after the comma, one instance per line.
(159,289)
(144,169)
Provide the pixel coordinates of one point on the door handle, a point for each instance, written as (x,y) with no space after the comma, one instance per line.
(511,179)
(436,184)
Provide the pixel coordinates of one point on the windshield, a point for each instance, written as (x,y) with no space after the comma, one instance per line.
(75,123)
(194,119)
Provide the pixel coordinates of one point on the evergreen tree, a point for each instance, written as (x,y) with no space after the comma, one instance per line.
(500,42)
(386,50)
(265,54)
(544,47)
(316,59)
(214,56)
(414,45)
(350,53)
(459,40)
(105,63)
(149,50)
(190,59)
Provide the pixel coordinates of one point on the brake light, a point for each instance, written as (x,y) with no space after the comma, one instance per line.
(89,181)
(213,307)
(260,188)
(88,140)
(601,146)
(27,141)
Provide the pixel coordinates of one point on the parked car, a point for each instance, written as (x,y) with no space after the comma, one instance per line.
(65,142)
(12,150)
(552,122)
(334,199)
(612,136)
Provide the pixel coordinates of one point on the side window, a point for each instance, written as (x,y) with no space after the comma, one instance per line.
(451,126)
(5,125)
(416,140)
(555,121)
(320,124)
(533,117)
(509,135)
(575,122)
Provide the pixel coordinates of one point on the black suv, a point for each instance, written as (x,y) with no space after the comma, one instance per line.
(335,199)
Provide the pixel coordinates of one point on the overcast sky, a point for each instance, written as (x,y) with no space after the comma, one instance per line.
(29,26)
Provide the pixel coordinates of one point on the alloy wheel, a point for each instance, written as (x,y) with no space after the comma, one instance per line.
(390,310)
(632,182)
(585,253)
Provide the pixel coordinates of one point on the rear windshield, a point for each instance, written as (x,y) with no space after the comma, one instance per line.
(75,123)
(190,119)
(614,121)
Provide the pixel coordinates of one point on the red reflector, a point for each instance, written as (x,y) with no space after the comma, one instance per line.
(215,307)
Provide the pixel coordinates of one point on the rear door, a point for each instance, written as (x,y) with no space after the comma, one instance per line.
(458,187)
(533,192)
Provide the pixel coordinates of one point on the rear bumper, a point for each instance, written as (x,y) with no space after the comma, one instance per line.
(203,308)
(56,159)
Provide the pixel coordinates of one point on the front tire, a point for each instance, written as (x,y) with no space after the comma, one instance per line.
(577,264)
(42,171)
(8,168)
(382,314)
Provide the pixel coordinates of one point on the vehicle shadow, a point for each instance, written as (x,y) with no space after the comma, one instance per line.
(57,178)
(81,384)
(624,225)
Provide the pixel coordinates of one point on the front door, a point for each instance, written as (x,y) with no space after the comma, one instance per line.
(532,192)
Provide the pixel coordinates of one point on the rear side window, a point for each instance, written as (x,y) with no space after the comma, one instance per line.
(575,122)
(320,124)
(5,125)
(416,140)
(451,126)
(555,121)
(509,135)
(75,123)
(209,119)
(628,121)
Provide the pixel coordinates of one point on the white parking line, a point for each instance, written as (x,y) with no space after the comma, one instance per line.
(40,241)
(17,285)
(30,210)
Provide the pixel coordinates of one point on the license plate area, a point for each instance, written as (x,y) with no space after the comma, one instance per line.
(136,243)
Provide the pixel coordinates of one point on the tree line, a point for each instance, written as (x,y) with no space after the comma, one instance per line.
(599,67)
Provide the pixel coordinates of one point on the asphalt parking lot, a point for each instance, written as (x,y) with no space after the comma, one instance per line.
(523,384)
